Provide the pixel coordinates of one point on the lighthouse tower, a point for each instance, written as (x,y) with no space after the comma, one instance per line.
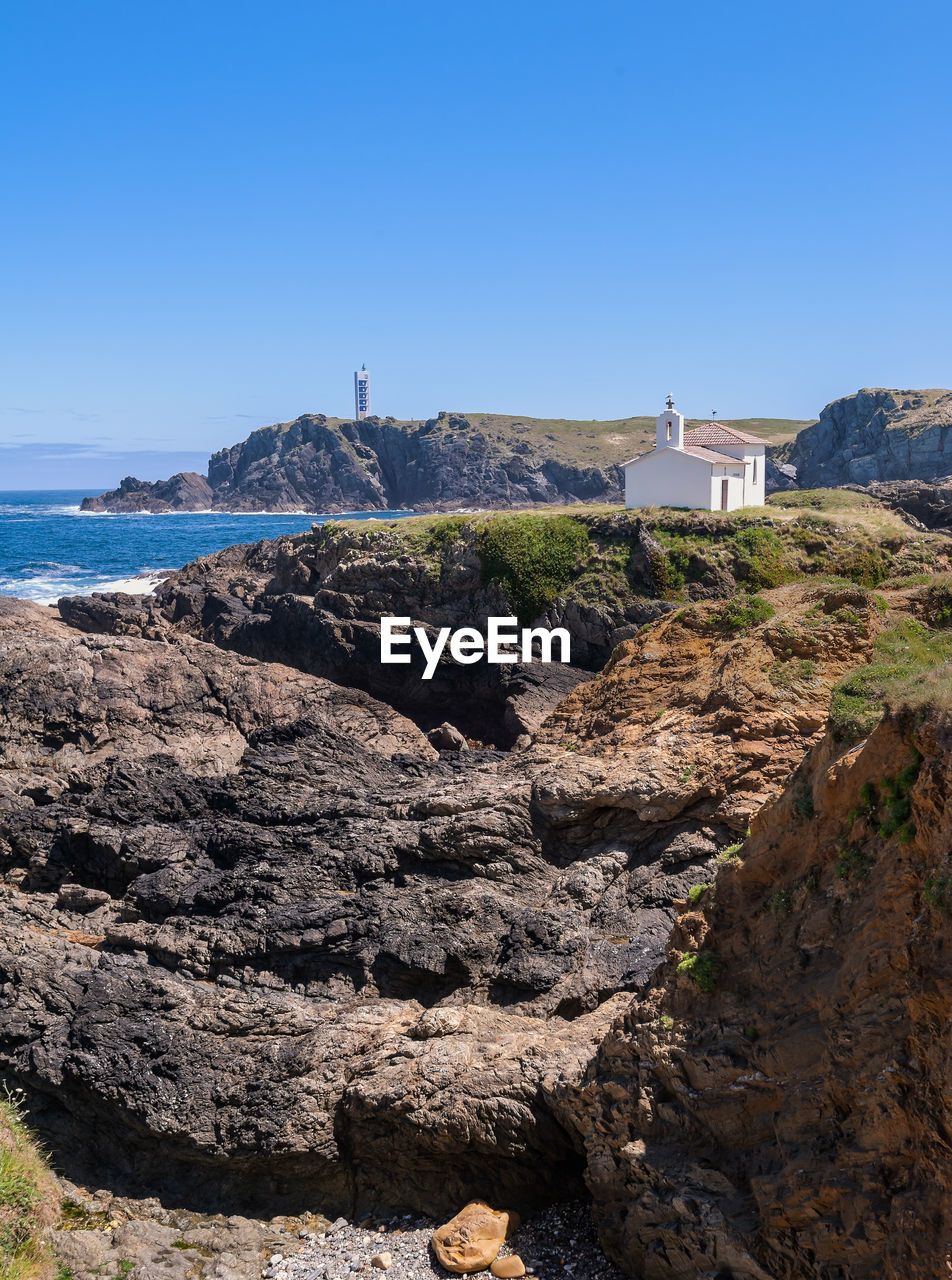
(362,392)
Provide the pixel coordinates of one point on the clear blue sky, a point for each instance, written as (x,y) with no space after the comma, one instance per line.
(215,210)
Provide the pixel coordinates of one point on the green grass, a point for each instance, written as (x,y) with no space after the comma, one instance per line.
(703,968)
(27,1197)
(690,555)
(697,892)
(532,556)
(742,613)
(911,669)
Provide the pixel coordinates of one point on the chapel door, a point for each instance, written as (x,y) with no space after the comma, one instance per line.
(724,494)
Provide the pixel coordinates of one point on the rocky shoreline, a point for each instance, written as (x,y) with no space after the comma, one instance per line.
(264,947)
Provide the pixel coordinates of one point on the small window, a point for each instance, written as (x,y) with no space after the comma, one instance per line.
(669,428)
(755,470)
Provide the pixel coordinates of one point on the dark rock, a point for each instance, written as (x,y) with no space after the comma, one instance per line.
(876,434)
(929,503)
(312,464)
(186,491)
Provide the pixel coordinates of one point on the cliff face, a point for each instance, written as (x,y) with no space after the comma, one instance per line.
(251,922)
(874,435)
(778,1104)
(315,465)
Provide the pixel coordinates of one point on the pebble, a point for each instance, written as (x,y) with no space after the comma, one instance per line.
(508,1267)
(552,1241)
(382,1261)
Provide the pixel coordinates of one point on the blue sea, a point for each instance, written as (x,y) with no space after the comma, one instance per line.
(49,548)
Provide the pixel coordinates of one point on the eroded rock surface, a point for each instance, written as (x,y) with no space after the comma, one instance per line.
(877,434)
(320,464)
(783,1109)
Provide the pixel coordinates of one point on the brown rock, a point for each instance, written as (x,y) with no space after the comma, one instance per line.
(507,1267)
(470,1241)
(382,1261)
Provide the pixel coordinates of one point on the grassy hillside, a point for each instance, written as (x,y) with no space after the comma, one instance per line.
(588,443)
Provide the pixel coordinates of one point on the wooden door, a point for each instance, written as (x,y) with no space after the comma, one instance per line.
(724,494)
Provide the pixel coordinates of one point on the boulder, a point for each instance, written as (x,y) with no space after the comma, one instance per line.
(470,1241)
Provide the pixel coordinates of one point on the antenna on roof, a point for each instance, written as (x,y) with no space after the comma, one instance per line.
(713,413)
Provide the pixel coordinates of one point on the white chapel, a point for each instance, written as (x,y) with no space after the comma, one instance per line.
(714,467)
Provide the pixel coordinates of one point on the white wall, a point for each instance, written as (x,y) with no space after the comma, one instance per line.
(669,478)
(735,487)
(754,492)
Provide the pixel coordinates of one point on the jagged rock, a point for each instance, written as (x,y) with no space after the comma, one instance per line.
(313,464)
(186,491)
(470,1241)
(876,434)
(927,503)
(788,1117)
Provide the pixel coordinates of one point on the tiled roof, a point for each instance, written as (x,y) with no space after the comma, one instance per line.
(709,455)
(717,433)
(692,451)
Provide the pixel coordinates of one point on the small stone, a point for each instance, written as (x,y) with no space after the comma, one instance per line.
(508,1267)
(470,1241)
(382,1261)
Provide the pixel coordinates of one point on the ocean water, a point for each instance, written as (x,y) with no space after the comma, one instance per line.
(49,548)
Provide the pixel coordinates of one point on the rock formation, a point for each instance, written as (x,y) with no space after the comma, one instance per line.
(313,464)
(262,943)
(186,491)
(874,435)
(302,950)
(777,1104)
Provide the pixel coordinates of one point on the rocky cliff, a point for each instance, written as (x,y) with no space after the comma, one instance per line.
(262,946)
(321,465)
(454,460)
(777,1104)
(874,435)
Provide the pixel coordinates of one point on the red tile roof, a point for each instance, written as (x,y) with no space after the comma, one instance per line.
(709,455)
(717,433)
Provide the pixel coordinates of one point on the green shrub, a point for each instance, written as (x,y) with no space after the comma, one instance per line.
(852,863)
(803,804)
(937,890)
(938,601)
(697,892)
(781,903)
(740,613)
(759,558)
(703,968)
(730,854)
(533,557)
(864,565)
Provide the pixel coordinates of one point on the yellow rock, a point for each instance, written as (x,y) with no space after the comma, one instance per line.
(470,1241)
(382,1261)
(508,1267)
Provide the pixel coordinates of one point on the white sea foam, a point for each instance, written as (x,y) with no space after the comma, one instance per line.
(49,589)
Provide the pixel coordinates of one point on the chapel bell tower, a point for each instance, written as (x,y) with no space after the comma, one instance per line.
(670,427)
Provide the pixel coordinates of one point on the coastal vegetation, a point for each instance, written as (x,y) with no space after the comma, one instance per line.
(597,554)
(28,1201)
